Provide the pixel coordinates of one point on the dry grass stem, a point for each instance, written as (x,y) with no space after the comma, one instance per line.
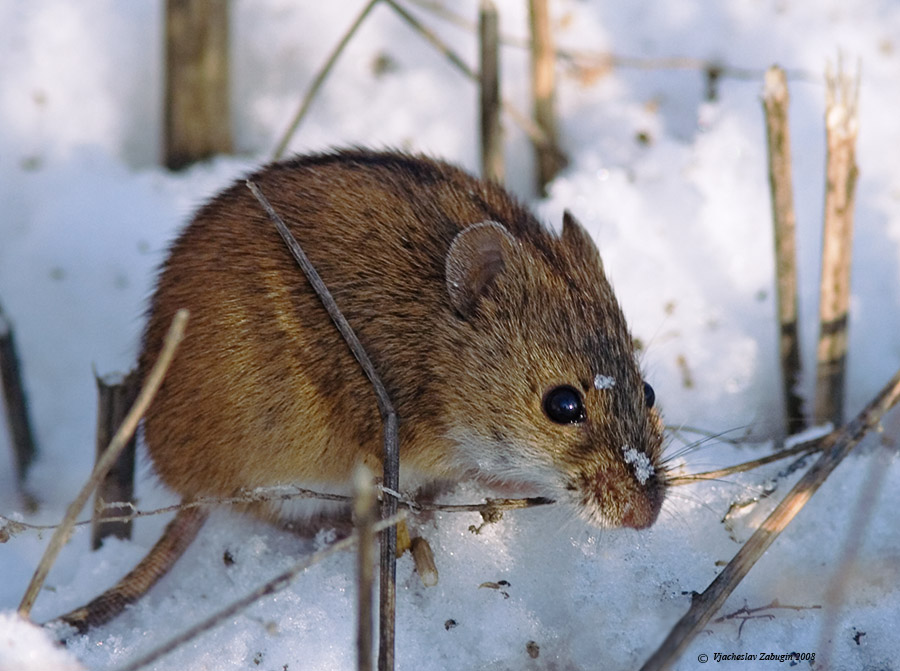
(117,444)
(778,141)
(604,61)
(841,127)
(491,130)
(277,584)
(364,519)
(320,78)
(391,453)
(806,447)
(13,527)
(836,446)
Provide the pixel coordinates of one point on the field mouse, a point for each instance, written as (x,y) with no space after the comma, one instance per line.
(501,344)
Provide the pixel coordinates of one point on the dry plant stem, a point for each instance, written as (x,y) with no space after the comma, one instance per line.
(835,447)
(115,396)
(608,60)
(391,478)
(490,505)
(778,140)
(277,584)
(534,132)
(543,66)
(491,131)
(364,519)
(319,80)
(841,125)
(806,447)
(21,435)
(117,444)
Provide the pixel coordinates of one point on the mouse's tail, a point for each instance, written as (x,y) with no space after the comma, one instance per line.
(179,534)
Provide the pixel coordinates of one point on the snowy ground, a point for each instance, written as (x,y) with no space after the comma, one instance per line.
(683,224)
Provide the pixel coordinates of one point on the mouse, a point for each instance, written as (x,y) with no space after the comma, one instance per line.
(500,342)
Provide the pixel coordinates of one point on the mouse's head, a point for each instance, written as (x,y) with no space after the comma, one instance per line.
(546,376)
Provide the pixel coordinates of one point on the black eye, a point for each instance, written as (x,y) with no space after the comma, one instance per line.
(649,395)
(564,405)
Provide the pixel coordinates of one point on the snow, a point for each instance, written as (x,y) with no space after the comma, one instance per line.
(604,381)
(681,217)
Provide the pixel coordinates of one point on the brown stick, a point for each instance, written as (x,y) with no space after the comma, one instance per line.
(837,445)
(364,519)
(543,67)
(117,444)
(20,433)
(491,131)
(197,120)
(841,125)
(775,104)
(391,480)
(116,394)
(320,78)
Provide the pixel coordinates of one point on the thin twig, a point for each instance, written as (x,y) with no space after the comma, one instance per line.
(261,496)
(607,60)
(837,445)
(391,479)
(320,78)
(364,519)
(775,105)
(841,127)
(117,444)
(806,447)
(277,584)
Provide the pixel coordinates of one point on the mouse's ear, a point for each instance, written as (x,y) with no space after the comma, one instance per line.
(476,256)
(579,241)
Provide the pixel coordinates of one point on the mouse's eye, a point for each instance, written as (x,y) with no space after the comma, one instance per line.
(564,405)
(649,395)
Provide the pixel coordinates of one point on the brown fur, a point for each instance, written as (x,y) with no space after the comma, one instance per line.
(263,390)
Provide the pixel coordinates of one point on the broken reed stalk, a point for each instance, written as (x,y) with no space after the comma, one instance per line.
(391,479)
(543,67)
(528,126)
(778,141)
(836,446)
(116,394)
(320,78)
(491,131)
(841,126)
(364,520)
(196,117)
(117,444)
(15,401)
(277,584)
